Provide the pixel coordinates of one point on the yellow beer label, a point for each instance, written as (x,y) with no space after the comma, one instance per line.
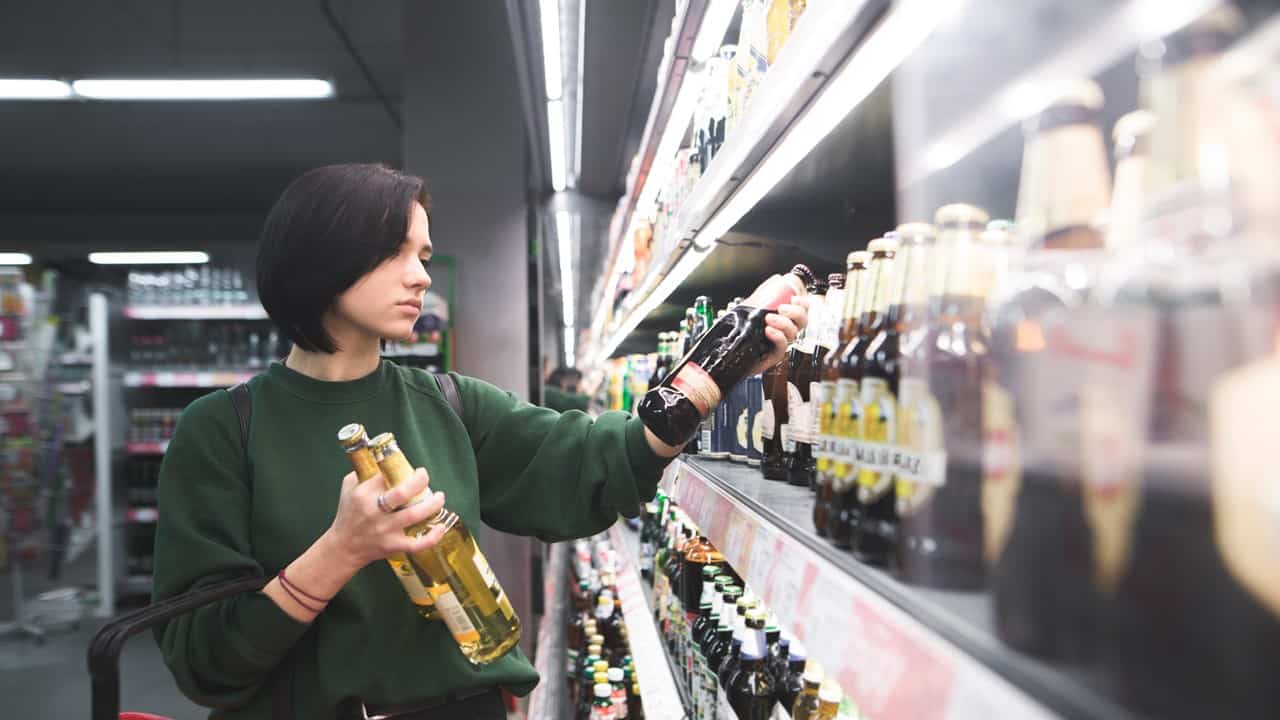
(762,421)
(879,429)
(454,617)
(1245,488)
(921,440)
(1001,469)
(413,586)
(847,429)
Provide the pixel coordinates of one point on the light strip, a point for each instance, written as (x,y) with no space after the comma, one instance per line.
(33,89)
(578,93)
(204,89)
(564,242)
(555,143)
(569,351)
(902,30)
(715,23)
(551,70)
(14,258)
(179,257)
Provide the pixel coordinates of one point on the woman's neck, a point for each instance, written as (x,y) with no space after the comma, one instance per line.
(352,362)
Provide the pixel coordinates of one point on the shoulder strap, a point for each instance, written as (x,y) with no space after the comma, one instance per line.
(242,401)
(450,390)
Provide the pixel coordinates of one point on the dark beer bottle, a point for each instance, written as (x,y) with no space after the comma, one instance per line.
(1035,539)
(773,465)
(852,421)
(721,358)
(832,396)
(820,392)
(802,375)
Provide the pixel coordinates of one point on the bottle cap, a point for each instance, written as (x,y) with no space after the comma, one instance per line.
(830,692)
(804,273)
(601,666)
(916,233)
(593,650)
(1132,126)
(603,690)
(597,639)
(813,672)
(351,435)
(711,571)
(961,214)
(882,246)
(615,675)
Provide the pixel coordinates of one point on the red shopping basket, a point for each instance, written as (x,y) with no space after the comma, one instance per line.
(104,651)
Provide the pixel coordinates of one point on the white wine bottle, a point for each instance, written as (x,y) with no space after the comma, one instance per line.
(477,611)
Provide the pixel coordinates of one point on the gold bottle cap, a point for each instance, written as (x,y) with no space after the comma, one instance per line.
(601,666)
(961,214)
(914,233)
(383,442)
(351,435)
(602,678)
(593,649)
(882,246)
(813,672)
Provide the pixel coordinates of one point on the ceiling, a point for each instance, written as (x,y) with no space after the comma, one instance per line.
(94,175)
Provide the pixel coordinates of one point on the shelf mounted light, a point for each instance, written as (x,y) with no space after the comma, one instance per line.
(14,258)
(183,89)
(33,89)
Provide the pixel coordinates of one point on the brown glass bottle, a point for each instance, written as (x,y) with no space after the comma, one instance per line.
(801,376)
(876,534)
(832,397)
(1035,534)
(849,420)
(719,360)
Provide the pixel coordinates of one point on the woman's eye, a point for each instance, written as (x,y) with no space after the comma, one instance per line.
(426,263)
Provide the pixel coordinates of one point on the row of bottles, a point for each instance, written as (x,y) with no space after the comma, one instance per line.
(602,679)
(451,581)
(221,345)
(731,658)
(203,285)
(1068,411)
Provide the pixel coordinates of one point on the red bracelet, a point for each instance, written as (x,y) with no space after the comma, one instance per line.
(304,593)
(298,600)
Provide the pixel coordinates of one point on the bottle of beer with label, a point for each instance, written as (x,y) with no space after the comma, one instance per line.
(801,377)
(721,358)
(832,395)
(773,417)
(1035,539)
(820,393)
(875,536)
(940,507)
(755,419)
(477,611)
(355,441)
(852,420)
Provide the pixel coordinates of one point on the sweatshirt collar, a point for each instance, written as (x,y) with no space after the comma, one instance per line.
(343,391)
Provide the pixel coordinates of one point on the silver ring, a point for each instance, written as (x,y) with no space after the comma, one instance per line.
(382,504)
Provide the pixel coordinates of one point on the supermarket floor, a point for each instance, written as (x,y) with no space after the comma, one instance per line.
(49,680)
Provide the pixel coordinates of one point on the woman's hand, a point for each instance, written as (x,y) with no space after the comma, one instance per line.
(782,328)
(363,532)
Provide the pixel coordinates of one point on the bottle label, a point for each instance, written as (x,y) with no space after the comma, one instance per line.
(879,430)
(454,617)
(767,421)
(742,430)
(1001,469)
(819,406)
(788,440)
(799,414)
(847,428)
(408,578)
(698,386)
(922,465)
(1245,488)
(619,703)
(603,712)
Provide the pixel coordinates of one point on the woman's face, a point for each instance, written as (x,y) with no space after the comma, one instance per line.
(387,301)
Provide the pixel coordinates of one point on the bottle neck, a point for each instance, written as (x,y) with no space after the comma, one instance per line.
(885,270)
(852,296)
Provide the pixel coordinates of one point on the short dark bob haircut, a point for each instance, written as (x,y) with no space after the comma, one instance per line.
(329,228)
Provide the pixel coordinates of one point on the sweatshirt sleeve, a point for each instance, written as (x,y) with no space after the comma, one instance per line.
(555,475)
(221,654)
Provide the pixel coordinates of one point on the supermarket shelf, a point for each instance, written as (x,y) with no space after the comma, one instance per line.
(549,699)
(76,387)
(195,312)
(146,448)
(658,687)
(820,44)
(141,515)
(186,378)
(75,358)
(934,653)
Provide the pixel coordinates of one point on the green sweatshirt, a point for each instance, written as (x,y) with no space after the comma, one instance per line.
(559,400)
(513,466)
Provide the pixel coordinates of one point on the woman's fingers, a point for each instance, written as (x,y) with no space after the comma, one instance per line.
(419,511)
(401,494)
(422,542)
(797,312)
(783,324)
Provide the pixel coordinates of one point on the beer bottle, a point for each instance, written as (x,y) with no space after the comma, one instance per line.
(756,419)
(790,689)
(832,397)
(850,425)
(774,414)
(663,364)
(801,377)
(829,697)
(873,539)
(738,415)
(477,612)
(819,392)
(1035,540)
(751,687)
(805,705)
(718,361)
(355,441)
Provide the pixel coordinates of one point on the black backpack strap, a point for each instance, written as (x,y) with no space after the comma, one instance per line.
(242,401)
(450,390)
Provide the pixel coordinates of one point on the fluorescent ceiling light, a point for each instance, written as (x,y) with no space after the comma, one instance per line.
(14,258)
(715,23)
(205,89)
(569,359)
(564,241)
(179,257)
(555,143)
(551,48)
(33,89)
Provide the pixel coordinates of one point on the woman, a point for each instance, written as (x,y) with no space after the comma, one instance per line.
(342,265)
